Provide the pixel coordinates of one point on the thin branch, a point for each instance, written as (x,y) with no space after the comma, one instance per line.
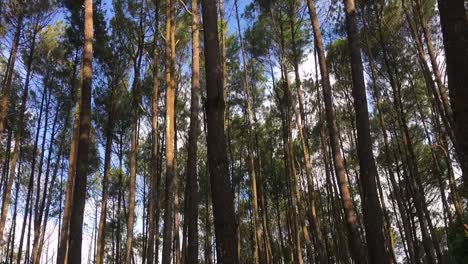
(185,7)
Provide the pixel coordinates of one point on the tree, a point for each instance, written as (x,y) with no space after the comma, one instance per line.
(191,216)
(7,79)
(454,26)
(82,162)
(35,26)
(153,206)
(287,160)
(372,210)
(223,200)
(170,133)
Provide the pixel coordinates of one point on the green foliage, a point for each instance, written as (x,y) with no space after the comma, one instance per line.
(458,243)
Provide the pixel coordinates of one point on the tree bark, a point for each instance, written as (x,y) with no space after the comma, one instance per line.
(223,199)
(82,167)
(191,217)
(373,219)
(65,227)
(170,135)
(152,252)
(101,239)
(454,22)
(137,57)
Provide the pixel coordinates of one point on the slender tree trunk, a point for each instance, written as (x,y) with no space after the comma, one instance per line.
(288,148)
(415,187)
(52,184)
(100,242)
(65,227)
(396,188)
(268,254)
(154,181)
(437,93)
(6,83)
(13,228)
(177,193)
(40,200)
(133,171)
(223,199)
(6,163)
(357,248)
(170,135)
(18,134)
(31,176)
(28,235)
(435,67)
(119,212)
(160,193)
(257,233)
(208,235)
(191,216)
(373,219)
(208,248)
(134,138)
(82,167)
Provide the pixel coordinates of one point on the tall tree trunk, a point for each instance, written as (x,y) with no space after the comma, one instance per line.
(438,93)
(288,148)
(207,247)
(82,167)
(6,162)
(170,135)
(223,199)
(19,133)
(40,200)
(191,216)
(137,57)
(357,247)
(151,251)
(40,166)
(391,175)
(13,228)
(454,22)
(262,193)
(257,233)
(6,83)
(177,193)
(31,177)
(414,186)
(435,67)
(52,184)
(65,227)
(100,242)
(373,219)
